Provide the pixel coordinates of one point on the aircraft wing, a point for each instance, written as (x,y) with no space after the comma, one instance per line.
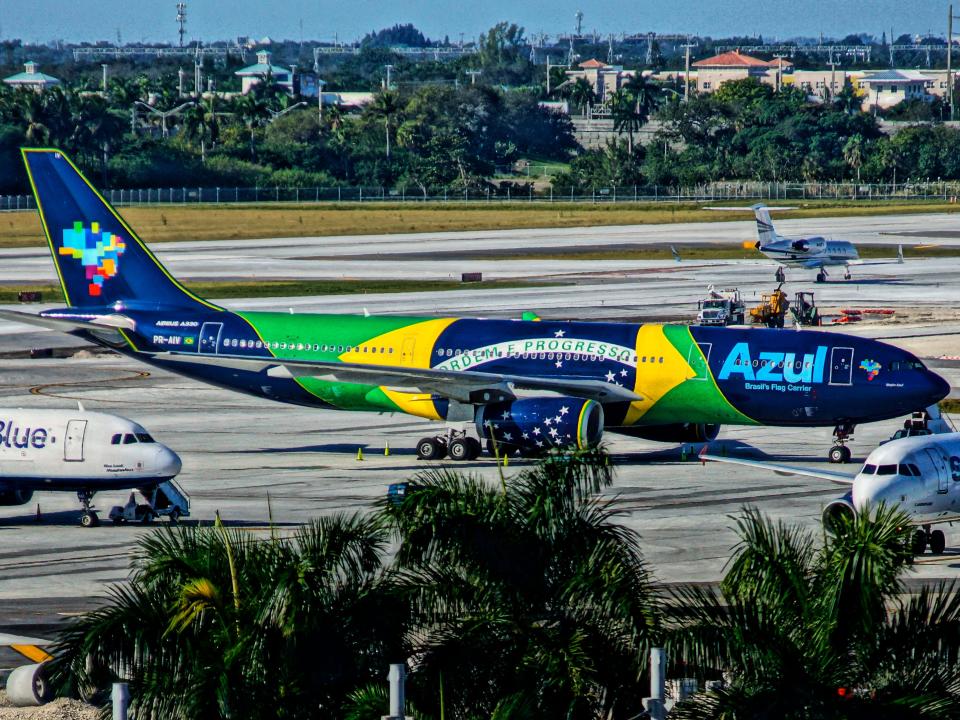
(29,647)
(834,477)
(464,386)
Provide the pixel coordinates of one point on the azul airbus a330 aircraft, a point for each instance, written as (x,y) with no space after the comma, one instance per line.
(530,385)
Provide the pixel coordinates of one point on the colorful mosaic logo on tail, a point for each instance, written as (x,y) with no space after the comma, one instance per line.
(872,367)
(99,252)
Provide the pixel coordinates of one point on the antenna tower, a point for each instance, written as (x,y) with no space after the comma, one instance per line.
(182,19)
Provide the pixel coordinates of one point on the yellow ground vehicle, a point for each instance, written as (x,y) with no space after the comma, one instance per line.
(772,308)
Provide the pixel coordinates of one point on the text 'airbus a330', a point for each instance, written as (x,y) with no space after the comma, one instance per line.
(530,385)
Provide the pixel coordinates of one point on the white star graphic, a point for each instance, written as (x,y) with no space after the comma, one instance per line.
(507,436)
(526,436)
(559,333)
(553,432)
(547,422)
(506,414)
(496,426)
(564,410)
(610,376)
(536,431)
(539,443)
(559,363)
(623,373)
(557,420)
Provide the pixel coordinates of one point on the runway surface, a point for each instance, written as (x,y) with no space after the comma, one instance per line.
(236,449)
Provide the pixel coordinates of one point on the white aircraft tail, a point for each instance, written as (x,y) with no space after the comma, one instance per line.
(765,232)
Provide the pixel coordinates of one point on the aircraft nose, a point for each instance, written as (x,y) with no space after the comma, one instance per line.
(870,490)
(939,388)
(168,462)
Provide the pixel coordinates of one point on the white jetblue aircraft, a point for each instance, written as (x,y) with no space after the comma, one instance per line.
(82,452)
(920,474)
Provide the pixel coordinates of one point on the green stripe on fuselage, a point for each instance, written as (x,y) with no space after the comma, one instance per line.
(330,331)
(698,399)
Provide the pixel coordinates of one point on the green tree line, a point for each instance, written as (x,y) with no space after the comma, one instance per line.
(523,600)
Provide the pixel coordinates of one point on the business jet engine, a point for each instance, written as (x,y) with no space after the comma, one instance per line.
(534,425)
(15,497)
(809,245)
(674,433)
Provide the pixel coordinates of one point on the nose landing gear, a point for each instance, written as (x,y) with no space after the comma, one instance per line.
(89,518)
(923,537)
(840,453)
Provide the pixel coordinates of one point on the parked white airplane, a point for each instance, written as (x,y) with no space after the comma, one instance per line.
(84,452)
(920,474)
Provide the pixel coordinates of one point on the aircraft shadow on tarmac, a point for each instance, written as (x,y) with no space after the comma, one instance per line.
(333,449)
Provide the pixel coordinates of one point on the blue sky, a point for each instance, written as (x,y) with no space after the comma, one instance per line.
(154,21)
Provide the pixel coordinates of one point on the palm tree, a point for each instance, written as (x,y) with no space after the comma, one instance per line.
(802,632)
(200,124)
(220,624)
(527,600)
(385,106)
(254,113)
(582,94)
(853,153)
(625,117)
(646,95)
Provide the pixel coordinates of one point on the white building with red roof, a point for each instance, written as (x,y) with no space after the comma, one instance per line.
(605,79)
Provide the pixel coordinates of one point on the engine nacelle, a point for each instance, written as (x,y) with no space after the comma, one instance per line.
(15,497)
(809,245)
(538,424)
(675,433)
(836,511)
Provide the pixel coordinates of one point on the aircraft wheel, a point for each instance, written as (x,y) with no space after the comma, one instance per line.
(174,516)
(821,277)
(837,454)
(919,543)
(430,449)
(89,519)
(459,449)
(938,542)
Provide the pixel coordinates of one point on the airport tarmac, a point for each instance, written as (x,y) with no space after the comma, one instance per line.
(237,449)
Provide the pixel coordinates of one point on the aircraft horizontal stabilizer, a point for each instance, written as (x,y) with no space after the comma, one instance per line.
(70,323)
(834,477)
(463,386)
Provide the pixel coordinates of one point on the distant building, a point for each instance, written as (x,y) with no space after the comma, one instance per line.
(255,74)
(604,79)
(886,88)
(714,71)
(32,78)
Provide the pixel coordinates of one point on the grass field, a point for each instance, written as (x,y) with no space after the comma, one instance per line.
(164,223)
(294,288)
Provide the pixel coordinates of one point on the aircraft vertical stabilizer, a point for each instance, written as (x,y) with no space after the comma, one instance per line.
(99,259)
(765,232)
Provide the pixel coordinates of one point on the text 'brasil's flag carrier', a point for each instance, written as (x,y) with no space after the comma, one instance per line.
(529,385)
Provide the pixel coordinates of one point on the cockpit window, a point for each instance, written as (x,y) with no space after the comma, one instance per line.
(145,438)
(115,440)
(906,365)
(916,470)
(129,439)
(887,470)
(869,469)
(906,470)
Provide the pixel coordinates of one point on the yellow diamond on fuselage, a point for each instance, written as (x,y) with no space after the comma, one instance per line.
(660,368)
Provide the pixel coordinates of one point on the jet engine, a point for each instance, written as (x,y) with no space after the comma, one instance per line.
(538,424)
(675,433)
(15,497)
(813,245)
(836,510)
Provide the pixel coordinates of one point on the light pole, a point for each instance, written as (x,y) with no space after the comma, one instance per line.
(320,84)
(389,68)
(164,114)
(473,75)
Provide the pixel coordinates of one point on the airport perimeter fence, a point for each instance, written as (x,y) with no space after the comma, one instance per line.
(524,192)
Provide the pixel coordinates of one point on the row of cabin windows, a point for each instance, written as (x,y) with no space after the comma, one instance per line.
(131,438)
(480,354)
(304,347)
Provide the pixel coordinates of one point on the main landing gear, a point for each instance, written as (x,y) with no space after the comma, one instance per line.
(455,443)
(923,537)
(840,453)
(89,518)
(780,275)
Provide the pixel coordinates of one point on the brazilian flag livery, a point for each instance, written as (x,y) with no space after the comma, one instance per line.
(538,382)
